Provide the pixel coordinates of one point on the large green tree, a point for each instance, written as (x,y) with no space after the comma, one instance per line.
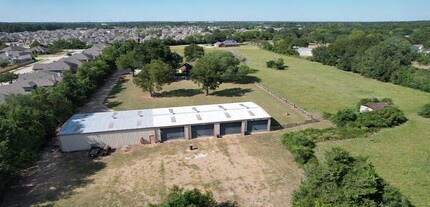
(154,75)
(384,59)
(213,69)
(193,52)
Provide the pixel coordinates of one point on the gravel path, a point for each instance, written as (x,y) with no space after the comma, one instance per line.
(96,103)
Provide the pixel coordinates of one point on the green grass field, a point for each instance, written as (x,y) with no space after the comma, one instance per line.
(401,155)
(126,96)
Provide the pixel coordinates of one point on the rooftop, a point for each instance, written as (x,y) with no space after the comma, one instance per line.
(162,117)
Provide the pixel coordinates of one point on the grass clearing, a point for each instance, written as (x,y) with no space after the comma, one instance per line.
(127,96)
(400,155)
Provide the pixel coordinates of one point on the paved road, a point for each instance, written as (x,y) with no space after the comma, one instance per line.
(96,103)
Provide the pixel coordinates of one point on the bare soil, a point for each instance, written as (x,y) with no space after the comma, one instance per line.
(253,171)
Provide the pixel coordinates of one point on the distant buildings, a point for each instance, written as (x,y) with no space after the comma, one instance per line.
(47,75)
(304,51)
(420,49)
(15,55)
(227,43)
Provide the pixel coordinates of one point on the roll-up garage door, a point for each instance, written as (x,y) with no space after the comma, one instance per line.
(202,131)
(257,126)
(230,128)
(172,133)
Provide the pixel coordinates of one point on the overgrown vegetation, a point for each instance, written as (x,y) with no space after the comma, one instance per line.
(344,180)
(425,111)
(178,197)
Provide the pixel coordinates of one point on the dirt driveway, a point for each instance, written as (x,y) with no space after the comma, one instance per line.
(253,171)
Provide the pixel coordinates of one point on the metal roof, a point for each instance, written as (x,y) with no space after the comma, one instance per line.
(162,117)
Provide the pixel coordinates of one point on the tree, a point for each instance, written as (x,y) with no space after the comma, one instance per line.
(35,43)
(2,45)
(193,52)
(211,70)
(139,55)
(154,75)
(7,77)
(3,64)
(425,111)
(384,59)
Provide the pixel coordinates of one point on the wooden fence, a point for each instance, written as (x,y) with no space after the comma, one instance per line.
(312,118)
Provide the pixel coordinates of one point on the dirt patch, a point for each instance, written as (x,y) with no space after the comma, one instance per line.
(253,170)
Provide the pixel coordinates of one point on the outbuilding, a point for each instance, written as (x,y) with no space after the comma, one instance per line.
(136,127)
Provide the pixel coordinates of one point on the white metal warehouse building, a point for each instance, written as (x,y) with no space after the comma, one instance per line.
(137,127)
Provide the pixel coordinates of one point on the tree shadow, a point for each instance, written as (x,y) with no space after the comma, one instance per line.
(179,93)
(118,88)
(112,104)
(228,204)
(53,178)
(248,80)
(232,92)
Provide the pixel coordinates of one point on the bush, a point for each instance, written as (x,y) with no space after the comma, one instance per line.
(425,111)
(344,117)
(300,146)
(178,197)
(343,180)
(387,117)
(270,64)
(278,64)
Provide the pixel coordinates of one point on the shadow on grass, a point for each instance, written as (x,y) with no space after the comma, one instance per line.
(232,92)
(112,104)
(179,93)
(54,178)
(118,88)
(248,80)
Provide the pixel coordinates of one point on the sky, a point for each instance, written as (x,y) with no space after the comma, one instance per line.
(212,10)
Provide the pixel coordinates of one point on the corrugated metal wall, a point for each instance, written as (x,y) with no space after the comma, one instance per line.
(114,139)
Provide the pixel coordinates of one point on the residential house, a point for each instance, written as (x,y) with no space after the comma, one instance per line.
(373,106)
(304,51)
(227,43)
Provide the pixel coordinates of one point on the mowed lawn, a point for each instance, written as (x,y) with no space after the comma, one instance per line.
(401,155)
(127,96)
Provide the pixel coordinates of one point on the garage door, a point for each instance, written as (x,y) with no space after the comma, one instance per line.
(230,128)
(257,126)
(202,131)
(172,133)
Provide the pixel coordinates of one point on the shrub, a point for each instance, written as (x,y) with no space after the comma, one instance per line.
(270,64)
(300,146)
(343,180)
(425,111)
(179,197)
(344,117)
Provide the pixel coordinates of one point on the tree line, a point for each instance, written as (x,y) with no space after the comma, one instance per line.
(29,121)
